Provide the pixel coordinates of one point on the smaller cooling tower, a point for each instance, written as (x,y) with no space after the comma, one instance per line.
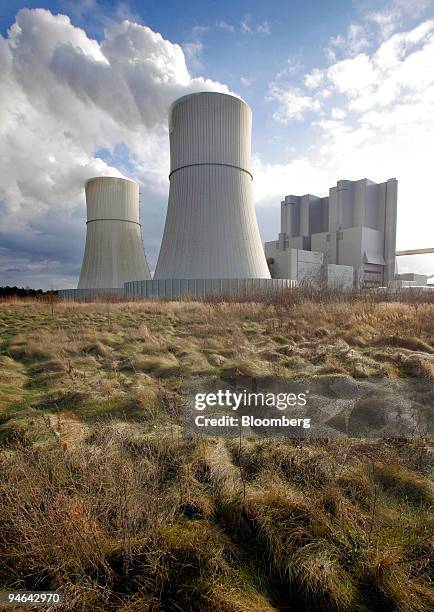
(114,249)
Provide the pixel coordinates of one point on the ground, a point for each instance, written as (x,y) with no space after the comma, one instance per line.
(105,498)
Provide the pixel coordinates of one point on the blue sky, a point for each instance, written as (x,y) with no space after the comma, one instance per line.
(338,89)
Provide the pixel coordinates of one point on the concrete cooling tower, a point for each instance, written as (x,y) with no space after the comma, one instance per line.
(211,230)
(114,249)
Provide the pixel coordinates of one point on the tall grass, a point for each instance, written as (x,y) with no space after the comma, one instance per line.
(104,497)
(154,522)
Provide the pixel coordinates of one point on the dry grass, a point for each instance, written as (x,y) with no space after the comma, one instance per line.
(129,520)
(103,497)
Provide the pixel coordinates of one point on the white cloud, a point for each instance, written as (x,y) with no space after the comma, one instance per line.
(245,26)
(292,101)
(392,16)
(353,76)
(193,52)
(401,67)
(324,94)
(313,79)
(263,28)
(123,11)
(338,113)
(248,27)
(63,98)
(193,48)
(199,30)
(293,104)
(291,68)
(80,8)
(353,42)
(247,82)
(225,26)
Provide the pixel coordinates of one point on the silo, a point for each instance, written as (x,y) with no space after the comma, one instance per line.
(211,229)
(114,249)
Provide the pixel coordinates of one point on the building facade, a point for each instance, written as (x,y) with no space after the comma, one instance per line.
(354,226)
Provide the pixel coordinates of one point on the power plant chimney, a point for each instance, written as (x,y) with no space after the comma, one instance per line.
(114,249)
(211,229)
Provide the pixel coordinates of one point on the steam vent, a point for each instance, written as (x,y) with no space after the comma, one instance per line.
(114,249)
(211,230)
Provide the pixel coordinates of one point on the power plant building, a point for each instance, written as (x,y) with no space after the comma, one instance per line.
(114,251)
(354,227)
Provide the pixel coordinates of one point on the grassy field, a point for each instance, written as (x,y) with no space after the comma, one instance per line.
(103,497)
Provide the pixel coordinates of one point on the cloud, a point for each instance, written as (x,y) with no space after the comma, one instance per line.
(248,27)
(245,26)
(65,98)
(273,181)
(80,8)
(291,69)
(225,26)
(377,27)
(193,52)
(356,39)
(398,69)
(263,28)
(96,14)
(392,16)
(338,113)
(314,78)
(353,76)
(193,48)
(292,103)
(124,11)
(247,82)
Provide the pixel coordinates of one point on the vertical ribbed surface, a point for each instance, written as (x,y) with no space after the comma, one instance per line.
(112,198)
(210,127)
(114,249)
(211,229)
(177,287)
(390,229)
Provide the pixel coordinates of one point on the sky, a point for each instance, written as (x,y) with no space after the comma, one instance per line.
(339,89)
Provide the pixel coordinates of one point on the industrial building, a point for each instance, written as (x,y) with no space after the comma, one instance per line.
(211,231)
(308,268)
(211,242)
(346,238)
(413,277)
(114,251)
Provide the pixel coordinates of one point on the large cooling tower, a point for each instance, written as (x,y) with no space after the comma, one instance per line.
(114,249)
(211,229)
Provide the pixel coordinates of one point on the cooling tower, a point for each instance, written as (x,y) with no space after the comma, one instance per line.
(114,249)
(211,229)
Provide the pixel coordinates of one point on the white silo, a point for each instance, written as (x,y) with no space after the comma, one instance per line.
(114,251)
(211,229)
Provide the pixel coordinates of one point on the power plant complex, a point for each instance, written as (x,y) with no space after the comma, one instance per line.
(211,241)
(347,238)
